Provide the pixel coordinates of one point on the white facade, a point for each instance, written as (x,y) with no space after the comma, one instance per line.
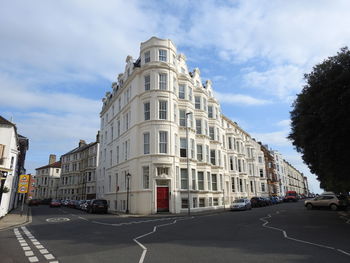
(8,161)
(143,134)
(281,172)
(295,180)
(47,179)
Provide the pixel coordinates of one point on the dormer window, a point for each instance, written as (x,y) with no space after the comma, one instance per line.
(147,56)
(162,55)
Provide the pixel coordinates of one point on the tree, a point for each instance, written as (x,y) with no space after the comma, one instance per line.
(320,122)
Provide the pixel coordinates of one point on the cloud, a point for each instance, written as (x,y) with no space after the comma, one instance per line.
(80,36)
(284,124)
(22,95)
(275,139)
(280,81)
(239,99)
(279,31)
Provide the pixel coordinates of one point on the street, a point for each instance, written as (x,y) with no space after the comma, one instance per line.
(282,233)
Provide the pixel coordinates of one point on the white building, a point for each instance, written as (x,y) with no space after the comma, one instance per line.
(47,179)
(281,172)
(9,152)
(143,135)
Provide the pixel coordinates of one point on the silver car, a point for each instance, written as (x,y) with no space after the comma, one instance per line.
(334,202)
(241,204)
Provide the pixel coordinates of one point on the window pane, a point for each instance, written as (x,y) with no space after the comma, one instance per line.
(163,140)
(147,82)
(184,179)
(147,56)
(147,108)
(163,81)
(162,55)
(163,110)
(146,143)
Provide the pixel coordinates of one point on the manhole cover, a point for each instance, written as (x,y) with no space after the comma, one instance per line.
(57,219)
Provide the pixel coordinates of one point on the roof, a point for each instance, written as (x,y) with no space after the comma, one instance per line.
(79,149)
(6,122)
(53,165)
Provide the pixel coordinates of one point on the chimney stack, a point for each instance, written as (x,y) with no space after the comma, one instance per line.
(82,143)
(52,158)
(98,137)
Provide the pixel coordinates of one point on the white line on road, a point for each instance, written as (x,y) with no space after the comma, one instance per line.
(295,239)
(40,247)
(142,258)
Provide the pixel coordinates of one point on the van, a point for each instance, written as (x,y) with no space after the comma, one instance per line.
(291,196)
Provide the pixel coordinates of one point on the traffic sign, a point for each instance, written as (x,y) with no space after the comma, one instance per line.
(23,183)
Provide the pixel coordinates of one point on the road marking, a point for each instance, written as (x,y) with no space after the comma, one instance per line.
(33,259)
(142,258)
(49,256)
(57,219)
(285,235)
(40,247)
(29,253)
(43,251)
(342,251)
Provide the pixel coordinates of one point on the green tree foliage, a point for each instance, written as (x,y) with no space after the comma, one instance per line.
(320,128)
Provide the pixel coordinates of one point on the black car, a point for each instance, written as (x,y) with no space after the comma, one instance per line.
(258,202)
(97,205)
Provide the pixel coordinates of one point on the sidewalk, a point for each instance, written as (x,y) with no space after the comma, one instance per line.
(14,218)
(166,214)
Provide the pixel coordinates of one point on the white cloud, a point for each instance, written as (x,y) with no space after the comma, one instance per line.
(284,124)
(22,95)
(279,31)
(80,36)
(239,99)
(281,81)
(275,139)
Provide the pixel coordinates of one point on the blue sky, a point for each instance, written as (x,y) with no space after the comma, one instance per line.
(58,58)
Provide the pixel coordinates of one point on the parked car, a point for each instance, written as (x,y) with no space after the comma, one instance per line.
(46,201)
(257,202)
(34,202)
(97,205)
(84,205)
(241,204)
(55,203)
(71,204)
(330,200)
(78,203)
(291,196)
(274,200)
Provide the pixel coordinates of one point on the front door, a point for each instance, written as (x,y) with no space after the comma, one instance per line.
(162,199)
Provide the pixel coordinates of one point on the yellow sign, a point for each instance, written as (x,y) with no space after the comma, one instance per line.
(23,183)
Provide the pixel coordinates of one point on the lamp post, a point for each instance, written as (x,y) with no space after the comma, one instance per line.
(127,193)
(188,166)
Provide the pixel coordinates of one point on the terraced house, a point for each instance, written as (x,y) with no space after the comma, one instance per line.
(78,179)
(47,179)
(148,162)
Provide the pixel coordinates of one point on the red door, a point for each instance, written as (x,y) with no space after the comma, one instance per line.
(162,199)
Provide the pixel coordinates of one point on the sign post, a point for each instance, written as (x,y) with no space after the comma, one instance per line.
(23,187)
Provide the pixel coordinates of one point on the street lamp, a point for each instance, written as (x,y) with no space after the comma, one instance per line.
(127,193)
(188,166)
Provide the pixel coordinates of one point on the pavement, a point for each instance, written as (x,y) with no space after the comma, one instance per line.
(14,218)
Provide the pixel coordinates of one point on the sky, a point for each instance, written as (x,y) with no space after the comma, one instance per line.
(59,58)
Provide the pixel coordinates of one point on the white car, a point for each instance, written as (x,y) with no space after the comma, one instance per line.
(241,204)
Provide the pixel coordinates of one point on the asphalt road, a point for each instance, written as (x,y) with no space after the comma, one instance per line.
(280,233)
